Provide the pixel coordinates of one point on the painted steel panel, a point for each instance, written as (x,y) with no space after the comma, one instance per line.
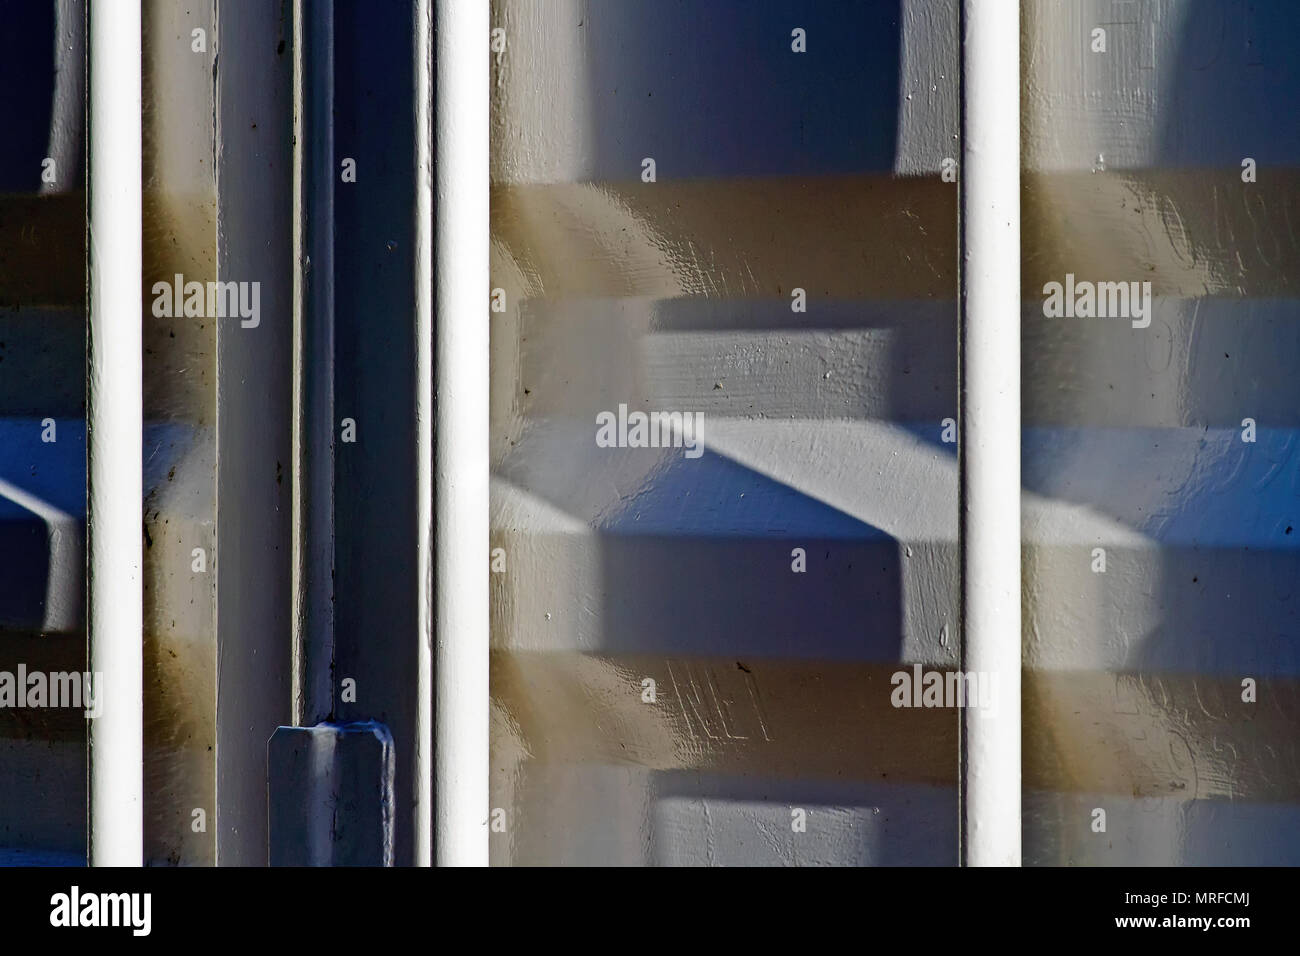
(822,432)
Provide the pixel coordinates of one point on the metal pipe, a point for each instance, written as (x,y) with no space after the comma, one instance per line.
(989,447)
(315,176)
(114,429)
(460,379)
(423,276)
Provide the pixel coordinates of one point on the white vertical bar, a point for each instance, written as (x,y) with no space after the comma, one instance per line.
(461,432)
(114,424)
(989,448)
(423,782)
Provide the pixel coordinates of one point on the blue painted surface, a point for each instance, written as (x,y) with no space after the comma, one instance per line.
(708,90)
(26,93)
(23,856)
(55,474)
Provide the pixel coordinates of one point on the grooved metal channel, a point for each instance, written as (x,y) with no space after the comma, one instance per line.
(314,417)
(376,515)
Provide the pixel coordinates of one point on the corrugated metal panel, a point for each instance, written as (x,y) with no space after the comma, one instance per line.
(775,171)
(1134,705)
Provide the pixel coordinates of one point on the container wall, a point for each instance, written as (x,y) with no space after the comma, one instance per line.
(693,644)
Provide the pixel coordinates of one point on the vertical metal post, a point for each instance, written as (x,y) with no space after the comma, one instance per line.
(423,276)
(461,433)
(254,566)
(114,426)
(989,449)
(313,367)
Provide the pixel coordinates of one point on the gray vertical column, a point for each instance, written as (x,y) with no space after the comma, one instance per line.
(254,414)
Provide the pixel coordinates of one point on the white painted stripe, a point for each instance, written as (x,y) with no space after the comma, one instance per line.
(989,444)
(423,775)
(461,430)
(114,433)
